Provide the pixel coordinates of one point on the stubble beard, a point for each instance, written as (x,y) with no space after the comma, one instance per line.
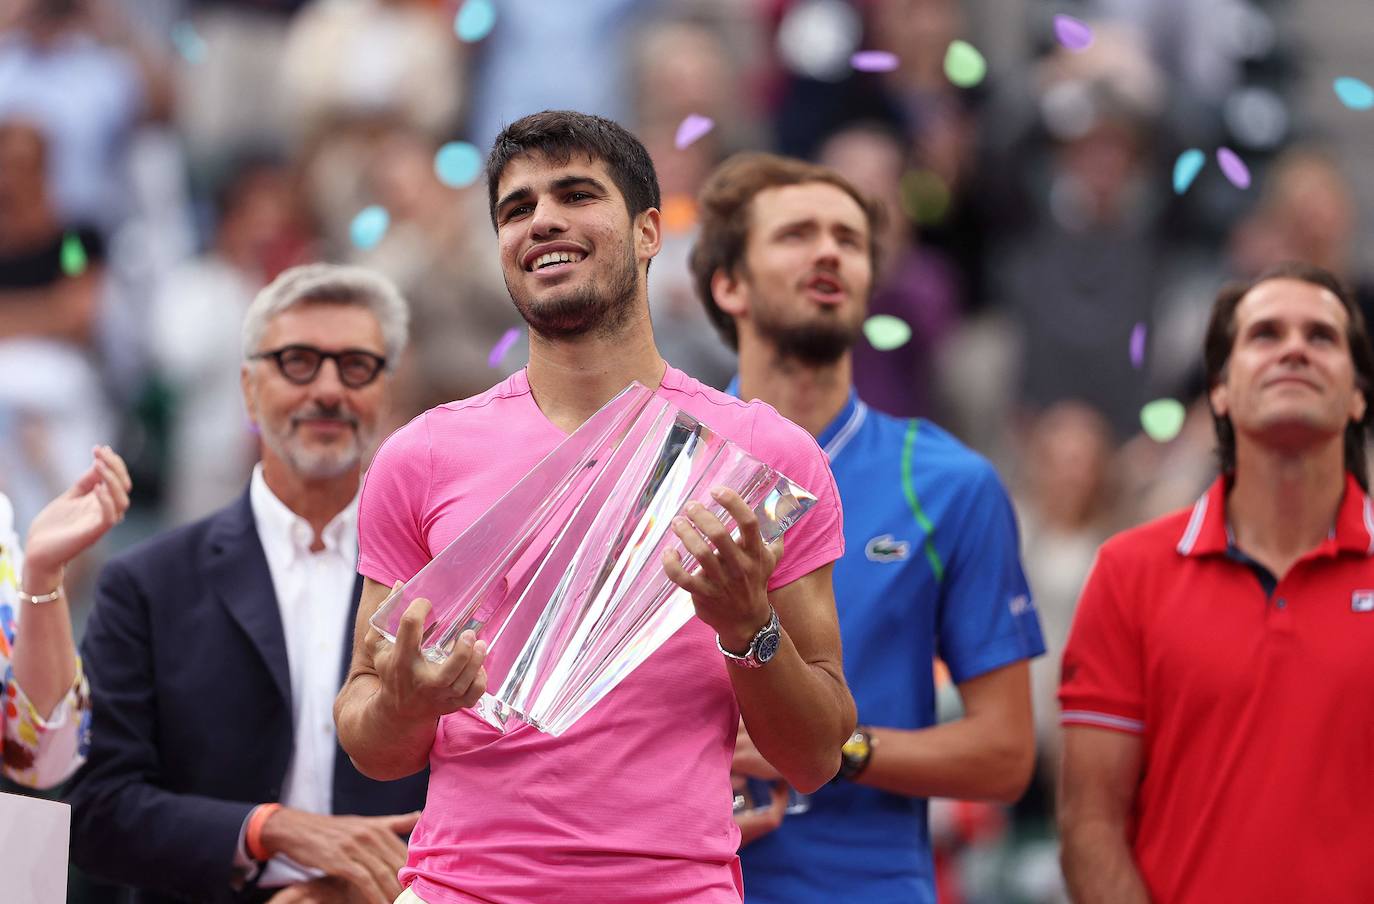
(817,343)
(600,311)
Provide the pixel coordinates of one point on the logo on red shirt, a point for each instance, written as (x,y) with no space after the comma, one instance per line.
(1362,601)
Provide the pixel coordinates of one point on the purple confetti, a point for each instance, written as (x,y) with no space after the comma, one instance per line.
(1138,345)
(874,61)
(1073,33)
(1233,168)
(498,351)
(692,127)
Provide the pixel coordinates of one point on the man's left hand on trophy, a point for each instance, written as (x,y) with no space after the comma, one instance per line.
(730,591)
(418,690)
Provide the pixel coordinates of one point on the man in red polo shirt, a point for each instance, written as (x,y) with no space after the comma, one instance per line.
(1218,685)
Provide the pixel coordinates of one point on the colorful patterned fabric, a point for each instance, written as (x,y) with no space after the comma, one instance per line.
(34,751)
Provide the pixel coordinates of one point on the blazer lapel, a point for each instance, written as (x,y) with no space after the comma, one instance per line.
(238,572)
(348,629)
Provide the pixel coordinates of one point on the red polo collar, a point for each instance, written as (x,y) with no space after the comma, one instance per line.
(1205,533)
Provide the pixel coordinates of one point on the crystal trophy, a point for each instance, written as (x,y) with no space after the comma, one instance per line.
(563,575)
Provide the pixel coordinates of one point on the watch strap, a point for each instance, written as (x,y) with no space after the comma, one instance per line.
(855,754)
(751,658)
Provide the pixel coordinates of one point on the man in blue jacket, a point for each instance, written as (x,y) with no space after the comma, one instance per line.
(784,264)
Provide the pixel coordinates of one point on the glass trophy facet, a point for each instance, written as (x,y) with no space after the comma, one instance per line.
(563,575)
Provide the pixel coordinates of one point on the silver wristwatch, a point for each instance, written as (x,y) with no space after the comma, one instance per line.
(762,648)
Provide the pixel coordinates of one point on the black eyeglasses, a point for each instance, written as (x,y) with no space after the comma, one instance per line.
(301,364)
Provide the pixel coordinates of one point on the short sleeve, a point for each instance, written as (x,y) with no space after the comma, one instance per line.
(986,618)
(1102,678)
(391,513)
(818,538)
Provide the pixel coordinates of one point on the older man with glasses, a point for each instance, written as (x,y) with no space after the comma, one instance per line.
(216,649)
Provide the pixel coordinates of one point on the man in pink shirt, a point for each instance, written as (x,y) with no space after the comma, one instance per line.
(633,803)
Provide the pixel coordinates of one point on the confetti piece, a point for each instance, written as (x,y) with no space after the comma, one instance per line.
(964,65)
(1354,93)
(369,226)
(925,197)
(1186,168)
(498,351)
(188,43)
(1073,33)
(1162,419)
(457,164)
(1233,168)
(692,127)
(475,20)
(874,61)
(73,255)
(1138,345)
(885,332)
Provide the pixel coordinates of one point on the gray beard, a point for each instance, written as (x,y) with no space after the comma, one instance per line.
(315,465)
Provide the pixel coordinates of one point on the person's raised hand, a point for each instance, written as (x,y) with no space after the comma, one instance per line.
(415,688)
(730,588)
(364,851)
(75,520)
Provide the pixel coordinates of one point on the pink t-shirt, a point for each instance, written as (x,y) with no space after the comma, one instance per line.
(633,803)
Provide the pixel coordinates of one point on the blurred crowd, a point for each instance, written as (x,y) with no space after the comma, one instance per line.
(162,160)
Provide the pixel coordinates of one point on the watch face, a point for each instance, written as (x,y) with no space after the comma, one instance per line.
(768,646)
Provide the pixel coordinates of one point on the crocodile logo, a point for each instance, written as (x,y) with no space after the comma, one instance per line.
(885,549)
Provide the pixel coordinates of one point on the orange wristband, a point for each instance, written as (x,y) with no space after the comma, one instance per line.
(253,836)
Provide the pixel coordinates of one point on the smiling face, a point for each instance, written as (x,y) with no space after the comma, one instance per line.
(322,429)
(804,283)
(1290,379)
(573,260)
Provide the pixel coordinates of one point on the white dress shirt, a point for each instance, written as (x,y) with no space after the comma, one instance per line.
(314,593)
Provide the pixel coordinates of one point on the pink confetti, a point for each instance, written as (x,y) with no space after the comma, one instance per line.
(1233,168)
(1073,33)
(1138,345)
(874,61)
(694,126)
(498,351)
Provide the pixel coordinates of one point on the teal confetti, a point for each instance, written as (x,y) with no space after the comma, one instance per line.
(1186,168)
(369,227)
(188,43)
(1354,93)
(475,20)
(458,163)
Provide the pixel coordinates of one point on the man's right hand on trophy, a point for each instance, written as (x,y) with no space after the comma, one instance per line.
(415,688)
(730,586)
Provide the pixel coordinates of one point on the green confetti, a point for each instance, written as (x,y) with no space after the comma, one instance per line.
(885,332)
(73,255)
(925,197)
(1162,419)
(964,65)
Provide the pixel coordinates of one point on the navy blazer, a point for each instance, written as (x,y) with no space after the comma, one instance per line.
(192,718)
